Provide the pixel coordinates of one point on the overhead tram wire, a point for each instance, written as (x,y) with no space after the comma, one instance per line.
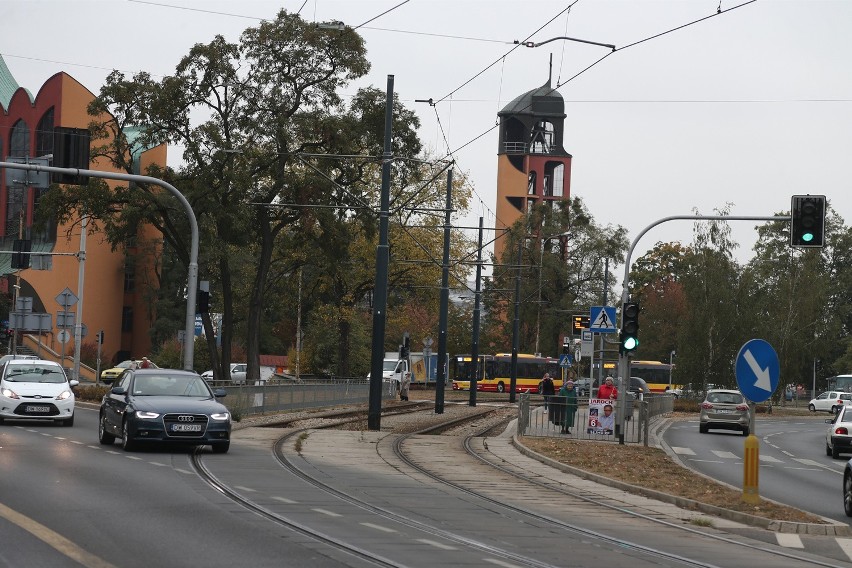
(617,49)
(382,14)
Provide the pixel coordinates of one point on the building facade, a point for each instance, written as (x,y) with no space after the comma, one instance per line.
(117,283)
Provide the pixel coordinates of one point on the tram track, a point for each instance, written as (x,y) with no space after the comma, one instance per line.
(400,453)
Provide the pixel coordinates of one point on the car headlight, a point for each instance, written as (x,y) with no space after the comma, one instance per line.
(146,415)
(64,395)
(9,393)
(220,416)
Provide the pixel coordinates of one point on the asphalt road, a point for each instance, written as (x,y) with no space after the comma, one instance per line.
(794,469)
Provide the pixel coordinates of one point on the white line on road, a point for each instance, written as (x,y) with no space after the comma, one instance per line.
(436,544)
(725,455)
(244,488)
(284,500)
(186,471)
(326,512)
(789,540)
(770,459)
(683,451)
(379,527)
(845,545)
(500,563)
(158,463)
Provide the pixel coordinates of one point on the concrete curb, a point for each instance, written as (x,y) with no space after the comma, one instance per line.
(832,528)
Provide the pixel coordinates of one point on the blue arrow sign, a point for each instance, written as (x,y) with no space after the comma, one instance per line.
(757,370)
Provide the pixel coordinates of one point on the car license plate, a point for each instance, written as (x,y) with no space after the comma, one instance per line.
(724,411)
(39,409)
(186,427)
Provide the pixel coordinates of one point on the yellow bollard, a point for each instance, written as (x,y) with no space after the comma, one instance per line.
(750,470)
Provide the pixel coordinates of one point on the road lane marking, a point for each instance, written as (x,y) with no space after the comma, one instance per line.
(158,463)
(683,451)
(133,457)
(789,540)
(244,488)
(379,527)
(186,471)
(770,459)
(53,539)
(436,544)
(726,455)
(327,512)
(846,545)
(500,563)
(284,500)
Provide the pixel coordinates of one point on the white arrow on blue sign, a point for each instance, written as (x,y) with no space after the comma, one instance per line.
(757,370)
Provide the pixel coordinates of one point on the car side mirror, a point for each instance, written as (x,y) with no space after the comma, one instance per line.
(220,393)
(118,390)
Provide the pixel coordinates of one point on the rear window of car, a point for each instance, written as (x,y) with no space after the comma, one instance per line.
(724,398)
(846,396)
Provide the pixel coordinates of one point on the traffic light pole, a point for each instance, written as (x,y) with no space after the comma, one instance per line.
(624,357)
(192,277)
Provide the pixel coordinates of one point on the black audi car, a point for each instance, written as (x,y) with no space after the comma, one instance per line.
(166,406)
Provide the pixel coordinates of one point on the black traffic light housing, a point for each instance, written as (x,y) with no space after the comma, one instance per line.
(405,348)
(21,253)
(629,337)
(808,221)
(202,302)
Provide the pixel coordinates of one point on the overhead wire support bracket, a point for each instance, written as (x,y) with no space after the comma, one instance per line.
(534,44)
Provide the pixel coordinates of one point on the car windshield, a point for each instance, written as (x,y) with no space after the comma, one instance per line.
(724,398)
(35,374)
(170,385)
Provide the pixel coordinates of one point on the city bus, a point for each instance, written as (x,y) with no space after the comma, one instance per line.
(496,372)
(840,383)
(656,373)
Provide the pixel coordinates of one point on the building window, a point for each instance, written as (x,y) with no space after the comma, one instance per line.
(531,183)
(541,138)
(126,318)
(556,178)
(44,134)
(19,143)
(129,277)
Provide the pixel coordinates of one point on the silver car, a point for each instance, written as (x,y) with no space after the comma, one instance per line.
(724,409)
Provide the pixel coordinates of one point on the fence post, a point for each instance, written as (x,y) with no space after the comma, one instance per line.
(643,419)
(523,413)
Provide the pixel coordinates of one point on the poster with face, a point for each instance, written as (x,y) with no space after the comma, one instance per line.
(601,417)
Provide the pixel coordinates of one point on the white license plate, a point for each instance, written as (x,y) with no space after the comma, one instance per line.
(33,408)
(186,427)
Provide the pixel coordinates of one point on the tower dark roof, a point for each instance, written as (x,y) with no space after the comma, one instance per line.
(543,101)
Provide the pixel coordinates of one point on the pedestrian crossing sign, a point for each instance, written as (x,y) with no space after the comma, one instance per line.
(602,319)
(565,360)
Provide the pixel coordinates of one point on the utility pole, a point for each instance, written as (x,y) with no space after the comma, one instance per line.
(380,294)
(474,351)
(445,302)
(516,326)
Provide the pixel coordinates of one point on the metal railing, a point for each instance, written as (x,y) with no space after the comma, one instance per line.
(247,400)
(536,420)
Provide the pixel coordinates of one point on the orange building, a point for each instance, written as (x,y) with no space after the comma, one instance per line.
(116,291)
(532,165)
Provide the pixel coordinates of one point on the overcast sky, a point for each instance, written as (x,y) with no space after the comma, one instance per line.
(748,107)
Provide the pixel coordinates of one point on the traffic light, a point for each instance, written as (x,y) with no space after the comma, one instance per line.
(21,253)
(808,221)
(629,327)
(202,302)
(405,348)
(100,337)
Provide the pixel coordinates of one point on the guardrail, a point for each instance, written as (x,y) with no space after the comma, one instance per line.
(247,400)
(536,420)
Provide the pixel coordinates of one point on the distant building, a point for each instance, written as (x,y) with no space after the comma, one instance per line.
(532,165)
(117,284)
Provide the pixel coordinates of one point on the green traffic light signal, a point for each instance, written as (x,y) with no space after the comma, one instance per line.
(629,327)
(630,343)
(807,213)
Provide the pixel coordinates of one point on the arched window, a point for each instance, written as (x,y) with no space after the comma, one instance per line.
(19,141)
(44,134)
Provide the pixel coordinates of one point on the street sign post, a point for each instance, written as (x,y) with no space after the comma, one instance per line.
(602,319)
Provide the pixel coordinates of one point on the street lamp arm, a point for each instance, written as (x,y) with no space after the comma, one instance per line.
(539,44)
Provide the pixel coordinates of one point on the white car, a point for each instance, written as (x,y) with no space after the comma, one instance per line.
(238,373)
(36,389)
(830,401)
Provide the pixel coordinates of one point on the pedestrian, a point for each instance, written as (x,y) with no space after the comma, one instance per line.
(145,364)
(133,364)
(404,385)
(569,400)
(547,388)
(608,390)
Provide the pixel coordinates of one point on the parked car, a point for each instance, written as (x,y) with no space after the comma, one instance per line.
(164,405)
(724,409)
(838,436)
(238,373)
(639,388)
(35,388)
(830,401)
(108,376)
(583,386)
(12,356)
